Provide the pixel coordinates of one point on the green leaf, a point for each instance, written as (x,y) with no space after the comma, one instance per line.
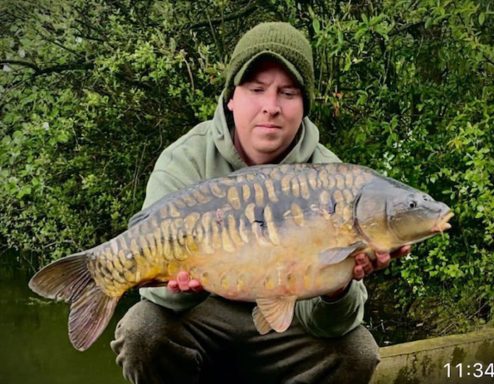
(481,18)
(316,25)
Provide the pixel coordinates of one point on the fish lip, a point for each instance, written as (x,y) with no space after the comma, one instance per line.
(442,223)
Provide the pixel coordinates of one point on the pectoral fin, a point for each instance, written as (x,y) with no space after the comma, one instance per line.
(335,255)
(274,314)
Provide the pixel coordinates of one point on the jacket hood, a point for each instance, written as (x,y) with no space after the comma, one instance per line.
(306,140)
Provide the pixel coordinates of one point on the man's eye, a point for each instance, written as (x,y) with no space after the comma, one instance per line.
(257,90)
(289,93)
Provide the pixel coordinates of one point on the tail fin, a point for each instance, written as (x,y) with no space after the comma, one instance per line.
(69,279)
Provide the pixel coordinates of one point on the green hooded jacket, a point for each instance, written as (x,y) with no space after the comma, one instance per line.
(207,151)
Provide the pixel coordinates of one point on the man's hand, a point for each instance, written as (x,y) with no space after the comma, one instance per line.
(364,266)
(184,284)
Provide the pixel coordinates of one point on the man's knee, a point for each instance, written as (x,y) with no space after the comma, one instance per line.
(360,356)
(364,347)
(137,329)
(149,347)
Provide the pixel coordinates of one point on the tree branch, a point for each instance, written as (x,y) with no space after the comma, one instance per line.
(247,10)
(60,45)
(64,67)
(93,27)
(487,58)
(44,71)
(21,63)
(82,36)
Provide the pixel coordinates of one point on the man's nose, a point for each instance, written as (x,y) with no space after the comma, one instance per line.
(271,104)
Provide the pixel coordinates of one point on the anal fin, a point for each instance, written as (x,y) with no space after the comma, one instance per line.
(260,322)
(275,313)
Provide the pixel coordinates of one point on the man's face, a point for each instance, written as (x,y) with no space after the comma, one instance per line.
(267,109)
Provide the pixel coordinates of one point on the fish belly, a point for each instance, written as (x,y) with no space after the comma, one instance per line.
(292,268)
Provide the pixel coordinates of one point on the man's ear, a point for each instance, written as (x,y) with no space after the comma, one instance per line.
(230,105)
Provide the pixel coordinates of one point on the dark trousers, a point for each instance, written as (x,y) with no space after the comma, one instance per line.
(216,342)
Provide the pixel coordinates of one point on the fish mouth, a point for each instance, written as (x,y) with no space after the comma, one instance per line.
(442,223)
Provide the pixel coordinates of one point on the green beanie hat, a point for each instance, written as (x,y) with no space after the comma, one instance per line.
(279,41)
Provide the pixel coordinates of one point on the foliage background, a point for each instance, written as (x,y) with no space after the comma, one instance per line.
(91,91)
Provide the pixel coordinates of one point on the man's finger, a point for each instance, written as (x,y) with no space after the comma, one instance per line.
(358,272)
(368,267)
(403,251)
(382,260)
(183,281)
(361,259)
(173,286)
(195,286)
(364,265)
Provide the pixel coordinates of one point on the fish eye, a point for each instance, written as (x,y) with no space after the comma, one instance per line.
(412,204)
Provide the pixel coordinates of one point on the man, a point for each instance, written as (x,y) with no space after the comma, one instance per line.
(180,334)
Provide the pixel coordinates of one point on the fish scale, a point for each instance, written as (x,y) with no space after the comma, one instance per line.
(270,234)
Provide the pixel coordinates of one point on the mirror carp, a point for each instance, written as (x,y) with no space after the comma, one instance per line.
(270,234)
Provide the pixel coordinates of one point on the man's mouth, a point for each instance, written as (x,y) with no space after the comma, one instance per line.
(268,125)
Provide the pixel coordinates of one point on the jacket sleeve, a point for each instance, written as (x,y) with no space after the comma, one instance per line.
(336,318)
